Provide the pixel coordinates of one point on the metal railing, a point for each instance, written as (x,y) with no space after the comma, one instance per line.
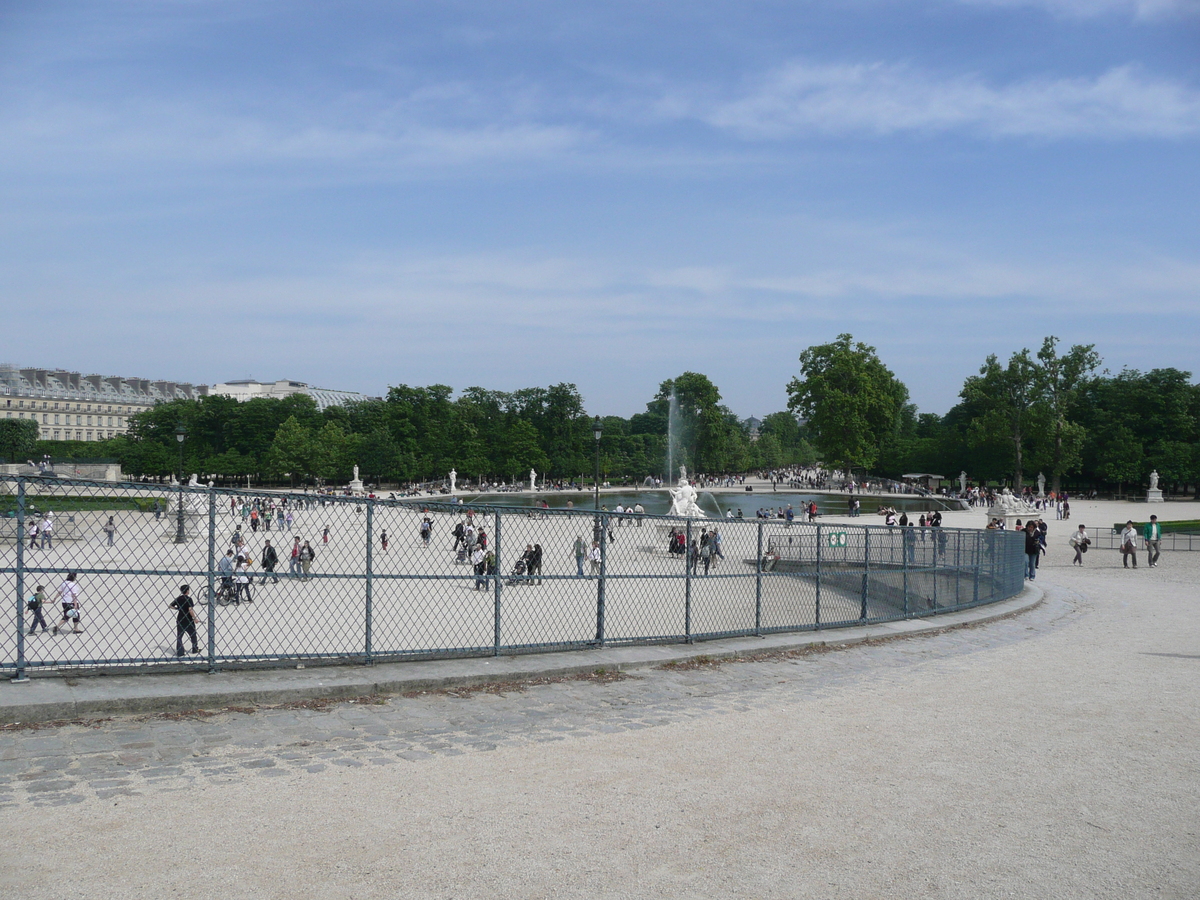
(379,584)
(1107,539)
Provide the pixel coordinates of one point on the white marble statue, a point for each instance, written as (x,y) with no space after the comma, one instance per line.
(1154,480)
(355,473)
(532,480)
(683,501)
(962,482)
(453,478)
(683,475)
(1041,485)
(194,481)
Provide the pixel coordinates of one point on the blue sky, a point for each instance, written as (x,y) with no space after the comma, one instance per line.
(507,195)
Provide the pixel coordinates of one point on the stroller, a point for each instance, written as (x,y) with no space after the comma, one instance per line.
(518,573)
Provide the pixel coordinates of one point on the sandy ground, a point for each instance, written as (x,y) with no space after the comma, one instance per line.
(126,615)
(1061,761)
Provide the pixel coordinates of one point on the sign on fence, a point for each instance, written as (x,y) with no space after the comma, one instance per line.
(837,539)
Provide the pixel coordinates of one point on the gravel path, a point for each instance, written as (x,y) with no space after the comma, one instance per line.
(1053,754)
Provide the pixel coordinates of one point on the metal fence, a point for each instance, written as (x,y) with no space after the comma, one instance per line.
(380,584)
(1110,539)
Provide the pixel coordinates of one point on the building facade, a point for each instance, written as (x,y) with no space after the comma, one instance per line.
(248,389)
(70,406)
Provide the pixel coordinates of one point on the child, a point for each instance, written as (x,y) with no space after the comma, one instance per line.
(35,604)
(185,620)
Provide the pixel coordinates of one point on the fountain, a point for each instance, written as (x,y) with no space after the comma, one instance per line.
(672,418)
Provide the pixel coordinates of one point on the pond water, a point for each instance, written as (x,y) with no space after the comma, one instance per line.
(658,502)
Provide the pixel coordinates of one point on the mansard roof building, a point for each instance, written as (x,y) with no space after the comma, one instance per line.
(72,406)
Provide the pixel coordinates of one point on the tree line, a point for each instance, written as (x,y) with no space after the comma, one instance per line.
(418,434)
(1051,410)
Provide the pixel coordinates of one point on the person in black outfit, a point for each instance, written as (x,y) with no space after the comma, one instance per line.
(185,620)
(535,563)
(269,561)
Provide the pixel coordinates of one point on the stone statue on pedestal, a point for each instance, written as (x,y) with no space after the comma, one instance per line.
(1041,485)
(532,480)
(683,501)
(1154,480)
(962,482)
(453,478)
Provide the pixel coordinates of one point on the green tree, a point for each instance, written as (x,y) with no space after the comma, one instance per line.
(851,401)
(18,437)
(1061,380)
(291,451)
(327,453)
(1122,458)
(1007,398)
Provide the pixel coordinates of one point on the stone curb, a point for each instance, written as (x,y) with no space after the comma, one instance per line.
(53,698)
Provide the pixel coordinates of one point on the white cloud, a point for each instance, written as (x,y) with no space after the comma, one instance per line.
(886,99)
(1083,9)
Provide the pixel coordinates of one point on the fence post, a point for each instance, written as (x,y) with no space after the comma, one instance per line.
(687,582)
(978,565)
(957,568)
(758,583)
(601,526)
(211,578)
(21,676)
(820,558)
(496,588)
(906,544)
(866,579)
(368,612)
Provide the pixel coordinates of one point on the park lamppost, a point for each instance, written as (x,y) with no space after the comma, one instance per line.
(180,436)
(596,431)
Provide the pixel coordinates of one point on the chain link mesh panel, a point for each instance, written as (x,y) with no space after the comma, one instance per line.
(280,576)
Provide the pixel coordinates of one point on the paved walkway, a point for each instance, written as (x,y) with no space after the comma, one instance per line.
(1053,753)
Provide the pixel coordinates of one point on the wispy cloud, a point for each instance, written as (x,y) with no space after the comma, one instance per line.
(1085,9)
(804,98)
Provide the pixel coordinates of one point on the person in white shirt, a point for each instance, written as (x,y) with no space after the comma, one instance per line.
(1129,544)
(1079,540)
(46,529)
(594,557)
(68,595)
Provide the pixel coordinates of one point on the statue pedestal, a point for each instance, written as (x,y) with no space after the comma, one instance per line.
(1008,517)
(1154,496)
(356,487)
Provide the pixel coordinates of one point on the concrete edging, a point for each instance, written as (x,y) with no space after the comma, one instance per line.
(51,699)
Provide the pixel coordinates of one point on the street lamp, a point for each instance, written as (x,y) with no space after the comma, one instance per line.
(180,436)
(597,429)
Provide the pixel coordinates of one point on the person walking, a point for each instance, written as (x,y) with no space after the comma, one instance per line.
(35,605)
(307,555)
(1153,536)
(706,552)
(580,555)
(294,561)
(1079,540)
(33,536)
(270,559)
(110,529)
(479,564)
(46,532)
(426,530)
(1033,549)
(1129,544)
(68,595)
(324,536)
(535,563)
(594,558)
(383,542)
(243,578)
(185,619)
